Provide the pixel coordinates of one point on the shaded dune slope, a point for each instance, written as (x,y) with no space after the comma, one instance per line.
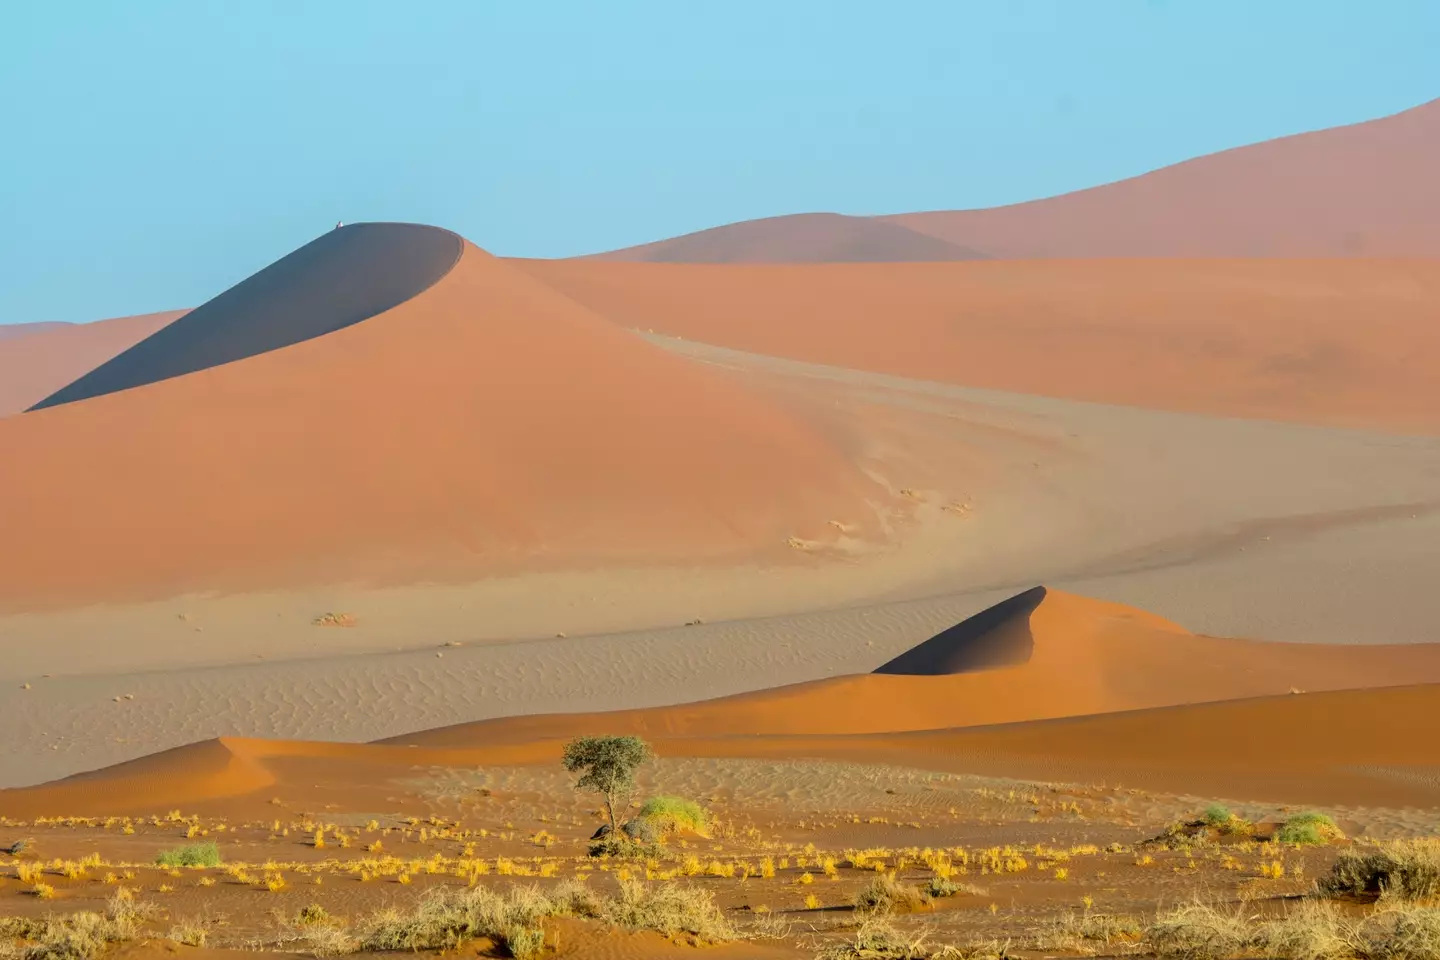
(1343,342)
(798,238)
(1233,749)
(338,279)
(35,366)
(1366,189)
(998,636)
(487,425)
(1084,657)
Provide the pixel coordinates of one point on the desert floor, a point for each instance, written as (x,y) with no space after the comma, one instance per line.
(1247,528)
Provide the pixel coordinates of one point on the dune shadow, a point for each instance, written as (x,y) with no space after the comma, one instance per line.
(338,279)
(997,636)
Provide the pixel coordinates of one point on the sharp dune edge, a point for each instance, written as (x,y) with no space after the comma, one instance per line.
(484,424)
(34,366)
(1106,691)
(1366,189)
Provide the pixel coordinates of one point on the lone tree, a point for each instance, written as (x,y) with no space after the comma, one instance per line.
(609,764)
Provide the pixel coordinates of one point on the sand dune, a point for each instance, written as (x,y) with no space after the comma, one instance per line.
(1349,343)
(340,278)
(9,331)
(1083,657)
(1367,189)
(36,365)
(1346,747)
(486,424)
(799,238)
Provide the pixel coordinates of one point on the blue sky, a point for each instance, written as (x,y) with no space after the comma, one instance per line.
(156,151)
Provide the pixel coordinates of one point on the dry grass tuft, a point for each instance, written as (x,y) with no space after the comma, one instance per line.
(885,894)
(1401,869)
(76,936)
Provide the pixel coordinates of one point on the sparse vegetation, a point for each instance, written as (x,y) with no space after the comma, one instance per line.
(885,893)
(76,936)
(1400,869)
(205,854)
(1308,829)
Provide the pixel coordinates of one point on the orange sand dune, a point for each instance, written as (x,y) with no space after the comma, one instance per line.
(1343,342)
(1367,748)
(1043,654)
(486,425)
(36,365)
(1367,189)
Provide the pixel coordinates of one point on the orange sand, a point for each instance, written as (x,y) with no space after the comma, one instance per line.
(1139,678)
(36,365)
(488,424)
(1349,343)
(1088,657)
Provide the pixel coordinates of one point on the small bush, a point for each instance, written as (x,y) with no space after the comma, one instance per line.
(1309,828)
(939,887)
(1217,814)
(1199,931)
(205,854)
(885,893)
(1402,869)
(77,936)
(623,848)
(668,814)
(670,909)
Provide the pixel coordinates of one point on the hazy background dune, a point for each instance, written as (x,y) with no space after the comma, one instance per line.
(1367,189)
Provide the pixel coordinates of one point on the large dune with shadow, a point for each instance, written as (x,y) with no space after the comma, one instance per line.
(1366,189)
(35,365)
(484,424)
(1340,342)
(1042,654)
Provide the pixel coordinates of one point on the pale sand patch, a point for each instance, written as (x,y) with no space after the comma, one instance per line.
(1234,527)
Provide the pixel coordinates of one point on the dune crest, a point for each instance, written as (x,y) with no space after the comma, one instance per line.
(485,425)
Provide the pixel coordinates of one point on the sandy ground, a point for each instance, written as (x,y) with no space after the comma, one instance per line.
(1229,527)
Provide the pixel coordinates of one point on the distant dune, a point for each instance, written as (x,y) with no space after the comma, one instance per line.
(484,425)
(9,331)
(799,238)
(34,366)
(1340,342)
(1083,656)
(1368,189)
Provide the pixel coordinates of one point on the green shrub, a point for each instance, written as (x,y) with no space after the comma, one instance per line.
(1308,828)
(668,814)
(205,854)
(1217,814)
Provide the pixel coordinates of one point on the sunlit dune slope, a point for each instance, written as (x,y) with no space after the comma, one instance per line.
(36,365)
(1368,747)
(1043,654)
(1342,342)
(486,425)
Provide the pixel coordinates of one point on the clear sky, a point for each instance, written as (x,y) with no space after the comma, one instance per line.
(154,152)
